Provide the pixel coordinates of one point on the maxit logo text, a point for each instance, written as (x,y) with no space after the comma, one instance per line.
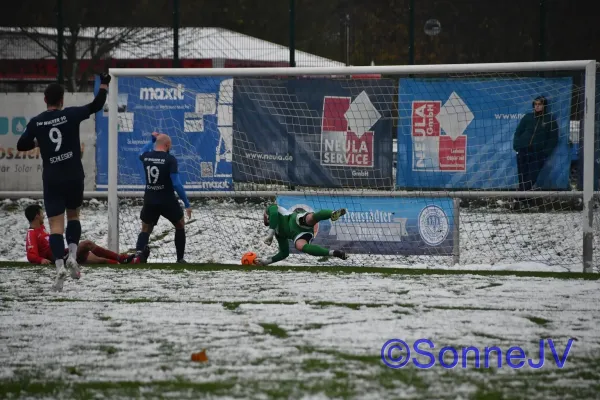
(162,93)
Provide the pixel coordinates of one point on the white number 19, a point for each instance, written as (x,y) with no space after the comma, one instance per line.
(56,137)
(153,173)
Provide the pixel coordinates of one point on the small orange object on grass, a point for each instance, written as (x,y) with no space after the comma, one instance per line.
(200,357)
(248,258)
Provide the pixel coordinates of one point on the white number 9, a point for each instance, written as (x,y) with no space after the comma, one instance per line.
(56,137)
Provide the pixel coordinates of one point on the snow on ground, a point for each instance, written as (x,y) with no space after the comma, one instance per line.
(222,230)
(120,333)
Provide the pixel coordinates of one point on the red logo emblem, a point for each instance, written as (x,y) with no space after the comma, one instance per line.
(346,135)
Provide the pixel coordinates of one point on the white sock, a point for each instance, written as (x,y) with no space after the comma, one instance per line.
(73,250)
(331,252)
(60,264)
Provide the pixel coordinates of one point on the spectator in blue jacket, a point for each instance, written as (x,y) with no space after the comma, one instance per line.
(535,140)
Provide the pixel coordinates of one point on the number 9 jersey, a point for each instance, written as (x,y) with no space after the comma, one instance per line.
(57,135)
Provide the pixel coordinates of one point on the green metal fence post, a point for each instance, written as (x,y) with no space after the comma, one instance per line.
(176,22)
(60,41)
(292,33)
(411,32)
(542,39)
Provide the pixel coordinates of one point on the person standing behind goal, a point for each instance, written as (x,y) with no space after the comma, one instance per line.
(162,179)
(56,132)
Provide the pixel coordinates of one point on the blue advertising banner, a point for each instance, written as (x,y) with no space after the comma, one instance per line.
(195,112)
(313,132)
(381,225)
(458,133)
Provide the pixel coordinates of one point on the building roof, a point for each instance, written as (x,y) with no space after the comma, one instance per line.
(155,43)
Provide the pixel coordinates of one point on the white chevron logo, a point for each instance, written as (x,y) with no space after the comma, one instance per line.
(361,115)
(454,116)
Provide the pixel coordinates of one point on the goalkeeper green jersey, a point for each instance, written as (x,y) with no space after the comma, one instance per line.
(287,227)
(286,224)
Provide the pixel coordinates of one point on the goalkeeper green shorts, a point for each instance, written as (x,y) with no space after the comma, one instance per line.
(299,231)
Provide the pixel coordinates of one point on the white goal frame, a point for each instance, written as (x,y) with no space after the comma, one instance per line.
(587,66)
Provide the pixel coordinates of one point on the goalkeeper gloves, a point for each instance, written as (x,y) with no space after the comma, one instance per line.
(104,78)
(269,239)
(263,261)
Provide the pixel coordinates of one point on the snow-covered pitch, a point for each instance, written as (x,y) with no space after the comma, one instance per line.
(310,331)
(290,334)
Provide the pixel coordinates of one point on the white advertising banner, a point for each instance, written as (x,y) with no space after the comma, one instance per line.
(22,171)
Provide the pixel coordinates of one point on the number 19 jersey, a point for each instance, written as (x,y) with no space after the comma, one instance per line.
(158,167)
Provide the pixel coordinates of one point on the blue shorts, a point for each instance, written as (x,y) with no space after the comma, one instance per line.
(61,196)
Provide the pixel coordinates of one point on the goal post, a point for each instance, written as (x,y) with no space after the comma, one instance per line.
(267,91)
(588,166)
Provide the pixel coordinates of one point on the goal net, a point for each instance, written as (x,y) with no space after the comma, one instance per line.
(434,169)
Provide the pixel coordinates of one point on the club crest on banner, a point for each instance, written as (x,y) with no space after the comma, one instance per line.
(433,225)
(346,135)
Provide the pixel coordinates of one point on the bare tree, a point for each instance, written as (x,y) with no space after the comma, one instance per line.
(97,44)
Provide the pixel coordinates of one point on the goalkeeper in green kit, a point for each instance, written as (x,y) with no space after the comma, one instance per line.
(298,227)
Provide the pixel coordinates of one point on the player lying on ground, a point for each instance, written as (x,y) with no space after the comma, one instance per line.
(162,180)
(298,227)
(56,132)
(38,246)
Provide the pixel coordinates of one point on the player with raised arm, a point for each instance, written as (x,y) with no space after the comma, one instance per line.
(56,132)
(162,180)
(38,246)
(298,227)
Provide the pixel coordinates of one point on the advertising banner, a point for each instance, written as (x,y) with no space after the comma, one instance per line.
(458,133)
(381,225)
(195,112)
(313,132)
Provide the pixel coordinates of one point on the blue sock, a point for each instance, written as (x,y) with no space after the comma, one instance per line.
(73,232)
(180,243)
(57,245)
(142,241)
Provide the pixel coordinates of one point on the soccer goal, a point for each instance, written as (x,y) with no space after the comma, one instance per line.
(436,164)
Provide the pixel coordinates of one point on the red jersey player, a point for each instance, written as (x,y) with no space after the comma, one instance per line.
(38,246)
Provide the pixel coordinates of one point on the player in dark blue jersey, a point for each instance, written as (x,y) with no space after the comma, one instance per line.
(56,132)
(162,180)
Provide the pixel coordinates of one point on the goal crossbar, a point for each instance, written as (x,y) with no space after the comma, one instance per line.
(350,70)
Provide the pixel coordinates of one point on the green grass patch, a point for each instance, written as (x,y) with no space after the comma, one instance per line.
(74,371)
(539,321)
(274,330)
(231,305)
(332,269)
(110,350)
(352,306)
(129,389)
(491,285)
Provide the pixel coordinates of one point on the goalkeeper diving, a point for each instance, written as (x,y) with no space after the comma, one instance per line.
(298,227)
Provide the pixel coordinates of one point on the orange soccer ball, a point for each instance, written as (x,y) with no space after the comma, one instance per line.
(248,258)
